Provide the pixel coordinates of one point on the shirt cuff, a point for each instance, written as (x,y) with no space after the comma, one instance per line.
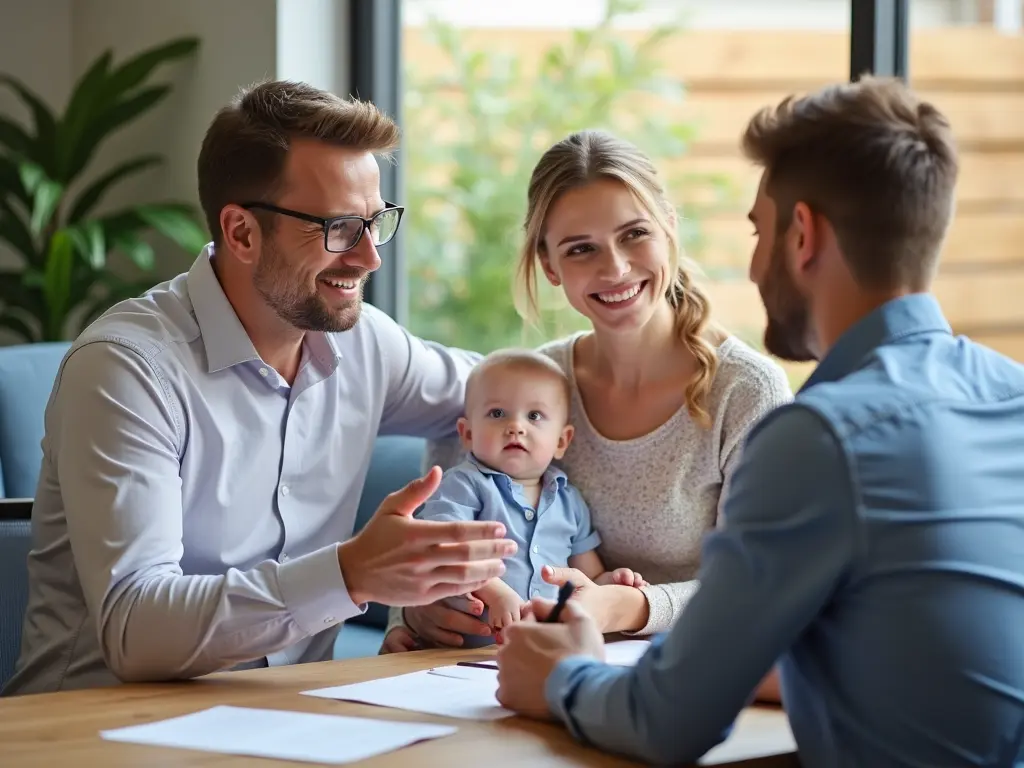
(560,690)
(314,591)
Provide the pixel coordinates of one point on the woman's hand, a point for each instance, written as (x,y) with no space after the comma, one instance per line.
(613,607)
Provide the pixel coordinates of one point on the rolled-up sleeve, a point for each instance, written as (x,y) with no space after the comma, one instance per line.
(764,578)
(115,434)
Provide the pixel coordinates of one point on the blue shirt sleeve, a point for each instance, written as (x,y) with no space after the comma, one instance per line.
(457,498)
(586,537)
(788,541)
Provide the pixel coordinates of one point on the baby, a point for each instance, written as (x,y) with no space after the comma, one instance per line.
(515,425)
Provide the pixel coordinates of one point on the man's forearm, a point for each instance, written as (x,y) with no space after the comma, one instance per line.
(163,625)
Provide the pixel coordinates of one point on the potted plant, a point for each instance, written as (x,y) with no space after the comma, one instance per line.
(65,279)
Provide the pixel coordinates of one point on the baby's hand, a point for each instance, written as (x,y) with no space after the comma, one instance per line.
(623,577)
(505,610)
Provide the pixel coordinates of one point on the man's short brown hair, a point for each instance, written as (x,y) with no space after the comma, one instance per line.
(876,161)
(243,154)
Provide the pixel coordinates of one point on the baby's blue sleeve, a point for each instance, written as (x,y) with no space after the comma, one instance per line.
(586,537)
(457,498)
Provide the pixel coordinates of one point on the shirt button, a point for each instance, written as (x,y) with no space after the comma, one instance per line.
(283,558)
(529,514)
(536,549)
(329,620)
(285,490)
(264,372)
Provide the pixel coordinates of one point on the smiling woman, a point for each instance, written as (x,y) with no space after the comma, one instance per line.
(660,397)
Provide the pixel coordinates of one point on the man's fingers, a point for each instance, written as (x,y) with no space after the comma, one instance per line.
(407,500)
(457,580)
(470,551)
(539,608)
(450,532)
(574,612)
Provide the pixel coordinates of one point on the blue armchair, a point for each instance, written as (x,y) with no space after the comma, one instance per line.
(27,373)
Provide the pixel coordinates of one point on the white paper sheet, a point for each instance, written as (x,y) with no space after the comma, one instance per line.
(757,733)
(425,692)
(467,673)
(625,653)
(278,734)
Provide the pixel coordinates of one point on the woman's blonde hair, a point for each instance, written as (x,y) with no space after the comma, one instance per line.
(586,157)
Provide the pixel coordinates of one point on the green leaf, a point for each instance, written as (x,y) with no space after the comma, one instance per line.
(115,290)
(10,181)
(14,137)
(57,283)
(45,123)
(32,176)
(176,222)
(16,233)
(15,291)
(85,98)
(135,70)
(91,242)
(47,197)
(138,250)
(21,328)
(110,120)
(95,191)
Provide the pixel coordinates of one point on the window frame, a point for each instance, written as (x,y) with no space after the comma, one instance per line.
(879,43)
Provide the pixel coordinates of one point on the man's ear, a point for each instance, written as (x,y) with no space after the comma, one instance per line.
(465,435)
(240,233)
(804,238)
(564,440)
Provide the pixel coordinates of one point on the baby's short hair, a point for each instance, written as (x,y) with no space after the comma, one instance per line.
(519,359)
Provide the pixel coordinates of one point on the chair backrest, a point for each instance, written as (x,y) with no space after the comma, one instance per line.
(15,543)
(396,461)
(27,372)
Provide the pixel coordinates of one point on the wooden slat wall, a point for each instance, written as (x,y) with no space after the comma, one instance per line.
(975,75)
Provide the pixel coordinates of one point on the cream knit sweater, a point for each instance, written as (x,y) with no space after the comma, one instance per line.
(653,498)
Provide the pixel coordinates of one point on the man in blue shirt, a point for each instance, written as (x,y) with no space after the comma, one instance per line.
(873,542)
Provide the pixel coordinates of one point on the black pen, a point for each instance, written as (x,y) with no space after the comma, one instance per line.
(478,664)
(564,593)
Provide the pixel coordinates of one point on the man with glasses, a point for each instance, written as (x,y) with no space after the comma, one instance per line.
(206,444)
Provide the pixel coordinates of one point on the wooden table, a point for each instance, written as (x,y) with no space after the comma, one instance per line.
(55,729)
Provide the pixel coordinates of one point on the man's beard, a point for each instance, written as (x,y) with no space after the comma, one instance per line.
(787,333)
(306,310)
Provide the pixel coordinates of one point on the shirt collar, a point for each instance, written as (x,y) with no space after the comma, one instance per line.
(552,475)
(223,336)
(894,320)
(225,339)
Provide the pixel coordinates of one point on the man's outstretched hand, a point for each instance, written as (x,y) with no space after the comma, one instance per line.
(399,560)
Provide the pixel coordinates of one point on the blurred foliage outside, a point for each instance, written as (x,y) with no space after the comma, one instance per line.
(472,138)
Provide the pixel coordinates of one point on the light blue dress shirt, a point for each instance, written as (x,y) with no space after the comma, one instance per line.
(190,501)
(558,528)
(874,547)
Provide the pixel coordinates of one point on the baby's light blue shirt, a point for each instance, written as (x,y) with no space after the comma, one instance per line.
(558,528)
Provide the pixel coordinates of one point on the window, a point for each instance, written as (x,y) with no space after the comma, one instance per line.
(968,58)
(489,86)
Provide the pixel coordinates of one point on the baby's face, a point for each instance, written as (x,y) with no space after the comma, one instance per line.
(516,421)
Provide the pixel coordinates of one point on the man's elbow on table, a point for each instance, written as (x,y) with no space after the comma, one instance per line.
(138,650)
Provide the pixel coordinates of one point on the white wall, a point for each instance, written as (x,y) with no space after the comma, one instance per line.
(238,46)
(49,43)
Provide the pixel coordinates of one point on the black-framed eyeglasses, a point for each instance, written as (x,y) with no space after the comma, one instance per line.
(343,233)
